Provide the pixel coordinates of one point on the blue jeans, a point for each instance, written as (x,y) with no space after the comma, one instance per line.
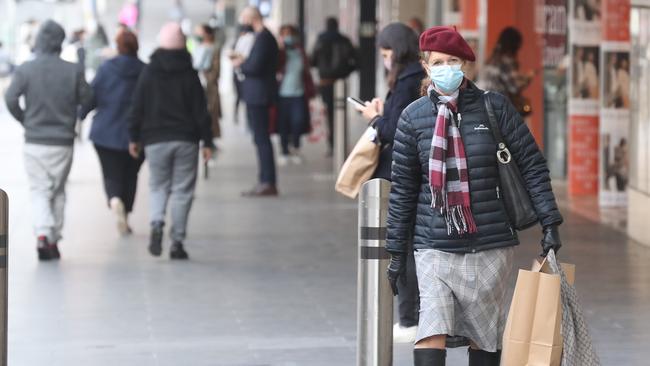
(292,121)
(258,119)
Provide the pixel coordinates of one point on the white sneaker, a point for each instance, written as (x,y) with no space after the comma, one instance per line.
(117,206)
(283,160)
(404,334)
(297,159)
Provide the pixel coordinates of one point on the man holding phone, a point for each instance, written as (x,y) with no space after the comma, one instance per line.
(259,91)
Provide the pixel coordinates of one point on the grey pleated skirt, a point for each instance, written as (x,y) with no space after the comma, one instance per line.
(464,295)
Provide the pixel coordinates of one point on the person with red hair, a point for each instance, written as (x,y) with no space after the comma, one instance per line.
(113,93)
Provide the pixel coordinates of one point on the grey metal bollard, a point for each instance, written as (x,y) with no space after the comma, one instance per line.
(374,295)
(4,274)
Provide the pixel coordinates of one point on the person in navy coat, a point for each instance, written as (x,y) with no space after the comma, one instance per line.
(259,91)
(113,94)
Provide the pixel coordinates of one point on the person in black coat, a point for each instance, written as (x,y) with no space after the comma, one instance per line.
(113,94)
(398,45)
(445,197)
(259,91)
(169,118)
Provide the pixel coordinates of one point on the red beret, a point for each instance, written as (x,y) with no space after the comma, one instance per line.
(446,40)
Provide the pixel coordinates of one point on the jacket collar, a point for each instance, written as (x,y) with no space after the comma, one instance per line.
(469,93)
(411,69)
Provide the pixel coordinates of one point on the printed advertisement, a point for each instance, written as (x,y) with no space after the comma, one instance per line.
(584,95)
(583,155)
(551,23)
(615,104)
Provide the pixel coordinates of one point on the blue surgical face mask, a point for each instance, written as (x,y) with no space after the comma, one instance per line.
(289,41)
(446,78)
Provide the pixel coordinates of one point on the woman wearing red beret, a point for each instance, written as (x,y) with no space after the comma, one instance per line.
(445,196)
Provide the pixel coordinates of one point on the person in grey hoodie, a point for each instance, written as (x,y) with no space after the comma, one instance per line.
(53,90)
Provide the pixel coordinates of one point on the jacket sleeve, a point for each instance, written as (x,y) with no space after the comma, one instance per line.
(406,177)
(531,162)
(136,115)
(200,111)
(91,103)
(84,91)
(14,92)
(387,123)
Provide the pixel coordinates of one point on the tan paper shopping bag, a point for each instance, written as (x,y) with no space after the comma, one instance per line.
(532,336)
(360,164)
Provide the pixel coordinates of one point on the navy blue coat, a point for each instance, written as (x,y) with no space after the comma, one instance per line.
(405,91)
(113,94)
(260,86)
(410,216)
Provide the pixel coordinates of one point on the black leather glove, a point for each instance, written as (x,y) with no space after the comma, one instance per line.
(551,240)
(396,270)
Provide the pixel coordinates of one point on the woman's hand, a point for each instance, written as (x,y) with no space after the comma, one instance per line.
(371,109)
(134,150)
(396,270)
(551,240)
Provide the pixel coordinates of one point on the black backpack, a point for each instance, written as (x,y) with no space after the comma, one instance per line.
(336,58)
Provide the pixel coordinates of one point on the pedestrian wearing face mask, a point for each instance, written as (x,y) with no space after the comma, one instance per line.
(296,89)
(398,45)
(445,197)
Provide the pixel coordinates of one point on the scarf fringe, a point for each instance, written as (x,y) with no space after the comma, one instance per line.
(460,218)
(438,199)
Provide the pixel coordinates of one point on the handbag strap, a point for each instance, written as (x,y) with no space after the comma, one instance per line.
(492,118)
(503,154)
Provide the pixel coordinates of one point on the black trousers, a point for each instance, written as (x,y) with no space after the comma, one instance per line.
(120,172)
(327,94)
(292,122)
(258,119)
(408,298)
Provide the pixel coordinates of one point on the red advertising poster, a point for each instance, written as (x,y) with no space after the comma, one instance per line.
(616,20)
(583,155)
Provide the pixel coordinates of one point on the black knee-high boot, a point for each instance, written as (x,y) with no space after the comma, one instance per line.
(483,358)
(429,357)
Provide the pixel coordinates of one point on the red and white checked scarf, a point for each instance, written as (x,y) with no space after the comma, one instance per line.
(448,175)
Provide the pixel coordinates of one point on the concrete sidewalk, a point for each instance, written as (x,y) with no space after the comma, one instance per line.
(270,281)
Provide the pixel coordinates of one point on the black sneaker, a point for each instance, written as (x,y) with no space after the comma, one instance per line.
(177,251)
(155,241)
(43,248)
(54,251)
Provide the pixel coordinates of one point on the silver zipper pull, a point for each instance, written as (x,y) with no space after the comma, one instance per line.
(459,119)
(498,196)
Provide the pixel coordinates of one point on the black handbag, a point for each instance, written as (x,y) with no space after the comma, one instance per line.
(513,188)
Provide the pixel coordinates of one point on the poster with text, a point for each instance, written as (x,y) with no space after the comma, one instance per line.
(583,155)
(585,89)
(614,104)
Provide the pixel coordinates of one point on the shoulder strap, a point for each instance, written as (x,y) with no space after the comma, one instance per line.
(496,131)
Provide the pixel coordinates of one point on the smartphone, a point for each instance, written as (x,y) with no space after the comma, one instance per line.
(356,102)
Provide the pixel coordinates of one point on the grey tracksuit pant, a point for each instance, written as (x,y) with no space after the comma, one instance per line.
(48,168)
(172,177)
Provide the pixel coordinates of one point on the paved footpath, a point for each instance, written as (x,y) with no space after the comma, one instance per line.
(270,281)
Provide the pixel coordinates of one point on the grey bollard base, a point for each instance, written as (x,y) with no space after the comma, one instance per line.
(374,294)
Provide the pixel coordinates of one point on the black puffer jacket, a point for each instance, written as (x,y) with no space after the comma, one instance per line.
(410,213)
